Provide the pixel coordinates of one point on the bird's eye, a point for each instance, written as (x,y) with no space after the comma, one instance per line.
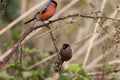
(65,46)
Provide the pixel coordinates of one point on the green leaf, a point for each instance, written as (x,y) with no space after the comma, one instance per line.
(27,74)
(76,69)
(40,72)
(109,69)
(44,55)
(80,77)
(113,78)
(4,75)
(7,46)
(64,77)
(10,65)
(15,34)
(31,50)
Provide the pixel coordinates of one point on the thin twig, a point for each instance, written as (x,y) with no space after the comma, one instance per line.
(46,32)
(99,17)
(103,65)
(101,26)
(92,64)
(5,59)
(21,51)
(40,62)
(31,29)
(95,35)
(53,39)
(107,22)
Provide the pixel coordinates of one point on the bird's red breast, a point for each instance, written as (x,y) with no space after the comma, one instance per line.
(49,12)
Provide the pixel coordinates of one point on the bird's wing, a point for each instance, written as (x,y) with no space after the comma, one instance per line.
(44,9)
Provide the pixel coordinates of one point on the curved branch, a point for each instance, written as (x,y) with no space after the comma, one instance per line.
(31,29)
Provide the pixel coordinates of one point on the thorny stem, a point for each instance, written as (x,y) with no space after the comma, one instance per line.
(103,72)
(21,56)
(31,29)
(103,66)
(101,26)
(53,39)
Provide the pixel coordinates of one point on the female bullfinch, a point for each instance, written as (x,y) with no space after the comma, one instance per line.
(65,52)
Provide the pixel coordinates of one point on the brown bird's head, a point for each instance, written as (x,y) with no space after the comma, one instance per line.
(65,46)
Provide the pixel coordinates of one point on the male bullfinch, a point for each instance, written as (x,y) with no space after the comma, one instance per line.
(46,13)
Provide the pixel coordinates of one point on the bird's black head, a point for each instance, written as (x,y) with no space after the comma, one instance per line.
(54,2)
(65,46)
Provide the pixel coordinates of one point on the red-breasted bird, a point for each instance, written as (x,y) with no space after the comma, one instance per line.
(46,13)
(65,52)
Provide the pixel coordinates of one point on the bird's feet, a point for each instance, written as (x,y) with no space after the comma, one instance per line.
(58,66)
(1,62)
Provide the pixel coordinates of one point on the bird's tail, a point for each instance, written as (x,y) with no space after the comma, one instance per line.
(62,62)
(30,20)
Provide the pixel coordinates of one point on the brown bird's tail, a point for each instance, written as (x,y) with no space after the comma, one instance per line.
(62,62)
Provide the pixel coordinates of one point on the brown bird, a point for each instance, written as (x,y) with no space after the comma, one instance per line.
(65,52)
(65,55)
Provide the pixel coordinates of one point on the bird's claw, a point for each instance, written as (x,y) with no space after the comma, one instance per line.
(58,66)
(1,62)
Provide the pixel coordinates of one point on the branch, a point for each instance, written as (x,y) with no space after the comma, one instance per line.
(94,36)
(31,29)
(40,62)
